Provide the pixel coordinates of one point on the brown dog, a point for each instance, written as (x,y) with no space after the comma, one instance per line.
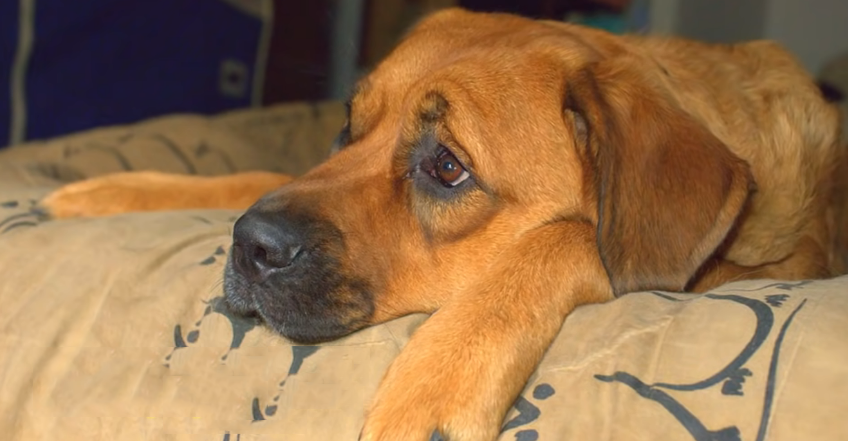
(499,172)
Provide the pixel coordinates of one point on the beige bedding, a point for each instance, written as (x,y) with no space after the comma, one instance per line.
(111,329)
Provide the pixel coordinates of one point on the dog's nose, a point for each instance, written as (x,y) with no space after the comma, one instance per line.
(264,242)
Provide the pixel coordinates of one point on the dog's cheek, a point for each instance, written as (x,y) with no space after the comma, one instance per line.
(354,302)
(339,288)
(319,309)
(450,221)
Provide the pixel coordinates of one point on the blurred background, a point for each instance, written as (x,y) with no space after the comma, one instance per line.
(68,66)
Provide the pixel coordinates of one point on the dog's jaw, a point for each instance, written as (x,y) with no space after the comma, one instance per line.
(316,305)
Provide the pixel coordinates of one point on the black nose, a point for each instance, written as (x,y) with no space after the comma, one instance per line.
(264,242)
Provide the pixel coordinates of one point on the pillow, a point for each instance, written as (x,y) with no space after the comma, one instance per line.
(113,329)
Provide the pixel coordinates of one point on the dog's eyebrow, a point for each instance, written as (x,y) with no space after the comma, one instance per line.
(435,107)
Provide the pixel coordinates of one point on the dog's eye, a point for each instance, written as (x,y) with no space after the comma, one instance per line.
(448,170)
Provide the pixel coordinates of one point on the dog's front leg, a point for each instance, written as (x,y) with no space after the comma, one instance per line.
(153,191)
(463,368)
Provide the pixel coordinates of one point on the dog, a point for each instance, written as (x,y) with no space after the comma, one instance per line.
(498,172)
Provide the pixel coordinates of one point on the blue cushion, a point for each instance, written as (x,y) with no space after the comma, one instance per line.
(103,62)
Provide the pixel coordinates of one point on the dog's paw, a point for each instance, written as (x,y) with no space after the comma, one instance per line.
(412,417)
(426,399)
(102,196)
(86,198)
(427,415)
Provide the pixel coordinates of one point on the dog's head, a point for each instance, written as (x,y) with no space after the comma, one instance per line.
(475,130)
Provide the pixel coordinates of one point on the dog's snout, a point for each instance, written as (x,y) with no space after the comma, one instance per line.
(264,242)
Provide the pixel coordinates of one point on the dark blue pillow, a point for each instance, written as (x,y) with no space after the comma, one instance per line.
(100,62)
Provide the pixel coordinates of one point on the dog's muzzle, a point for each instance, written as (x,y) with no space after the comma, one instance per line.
(287,267)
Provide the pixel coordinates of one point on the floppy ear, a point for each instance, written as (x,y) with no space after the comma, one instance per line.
(668,191)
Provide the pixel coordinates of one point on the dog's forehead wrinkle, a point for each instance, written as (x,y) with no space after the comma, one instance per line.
(434,106)
(477,65)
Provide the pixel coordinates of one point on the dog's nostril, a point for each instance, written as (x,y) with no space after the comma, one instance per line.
(243,261)
(265,242)
(255,260)
(276,257)
(260,256)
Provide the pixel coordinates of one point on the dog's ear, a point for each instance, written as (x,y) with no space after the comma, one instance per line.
(668,191)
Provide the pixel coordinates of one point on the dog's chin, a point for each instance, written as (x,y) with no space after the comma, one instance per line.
(308,330)
(308,316)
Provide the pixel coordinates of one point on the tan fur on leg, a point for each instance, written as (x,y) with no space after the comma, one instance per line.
(154,191)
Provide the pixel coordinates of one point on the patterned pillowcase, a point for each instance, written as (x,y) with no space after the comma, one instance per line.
(113,328)
(119,329)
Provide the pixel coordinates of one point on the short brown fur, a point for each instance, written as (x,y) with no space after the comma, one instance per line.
(602,164)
